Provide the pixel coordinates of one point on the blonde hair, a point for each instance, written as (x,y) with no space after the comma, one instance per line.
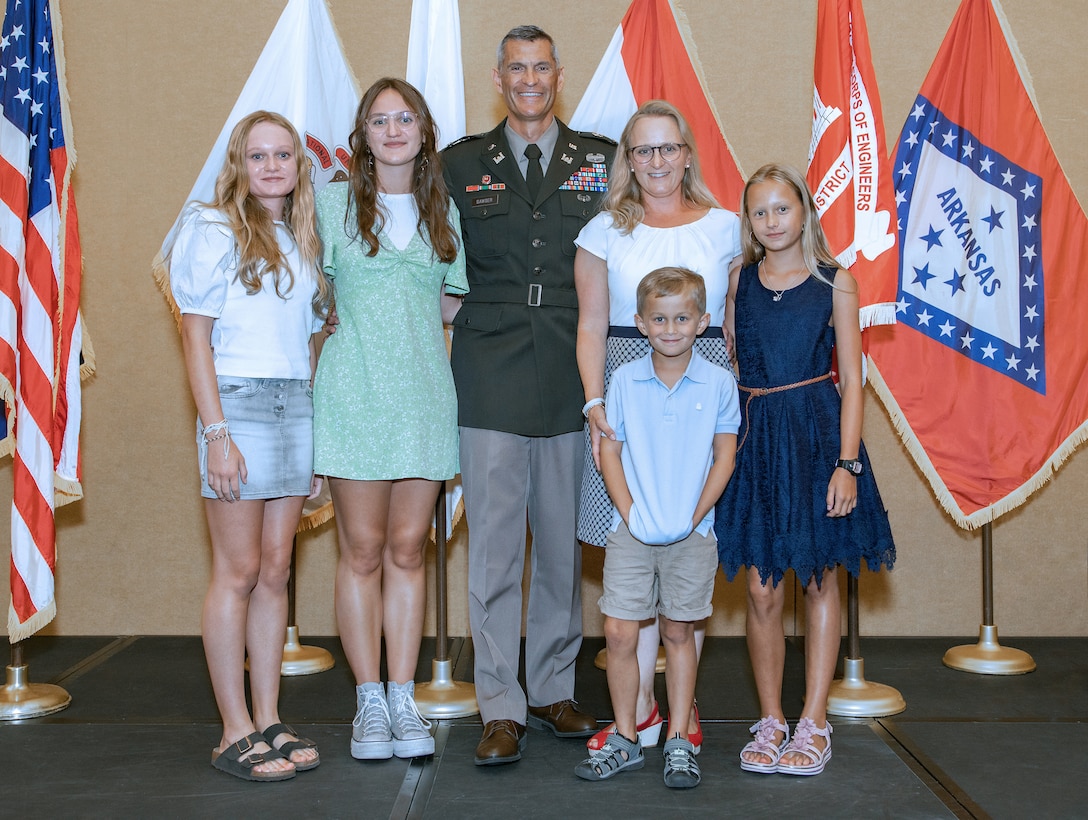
(813,240)
(624,198)
(428,187)
(252,225)
(671,281)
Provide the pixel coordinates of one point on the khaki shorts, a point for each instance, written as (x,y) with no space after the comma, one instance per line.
(676,580)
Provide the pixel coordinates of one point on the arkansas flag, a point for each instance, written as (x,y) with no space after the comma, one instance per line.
(651,58)
(301,74)
(848,170)
(984,372)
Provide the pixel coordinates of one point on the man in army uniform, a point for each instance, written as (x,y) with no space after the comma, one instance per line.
(524,190)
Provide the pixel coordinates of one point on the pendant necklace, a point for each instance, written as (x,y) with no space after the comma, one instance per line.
(778,294)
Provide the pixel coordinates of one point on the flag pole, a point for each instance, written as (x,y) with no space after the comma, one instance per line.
(20,699)
(988,657)
(853,696)
(443,697)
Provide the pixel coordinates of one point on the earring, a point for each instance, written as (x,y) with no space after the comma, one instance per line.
(422,168)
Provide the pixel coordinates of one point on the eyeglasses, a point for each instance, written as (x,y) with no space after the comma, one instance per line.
(668,151)
(379,122)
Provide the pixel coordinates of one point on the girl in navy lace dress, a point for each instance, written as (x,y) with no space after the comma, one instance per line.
(802,496)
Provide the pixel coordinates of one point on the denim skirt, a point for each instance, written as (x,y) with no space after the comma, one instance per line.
(271,423)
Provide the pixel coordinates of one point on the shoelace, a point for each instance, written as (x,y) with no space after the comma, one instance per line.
(374,716)
(406,714)
(607,758)
(682,760)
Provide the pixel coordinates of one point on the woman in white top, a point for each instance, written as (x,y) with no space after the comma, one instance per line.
(658,212)
(245,277)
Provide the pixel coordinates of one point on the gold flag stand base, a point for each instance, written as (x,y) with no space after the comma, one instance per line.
(303,660)
(601,661)
(988,657)
(445,697)
(853,696)
(20,699)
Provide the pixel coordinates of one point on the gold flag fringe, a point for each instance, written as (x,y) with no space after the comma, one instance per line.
(21,631)
(994,511)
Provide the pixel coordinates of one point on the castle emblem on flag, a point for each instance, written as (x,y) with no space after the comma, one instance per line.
(971,272)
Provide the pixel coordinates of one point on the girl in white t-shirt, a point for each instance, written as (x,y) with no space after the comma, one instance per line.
(244,274)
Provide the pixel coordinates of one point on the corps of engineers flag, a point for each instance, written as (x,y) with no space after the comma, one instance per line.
(849,172)
(984,374)
(649,58)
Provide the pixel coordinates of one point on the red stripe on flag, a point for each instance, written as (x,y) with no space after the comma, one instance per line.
(20,595)
(659,67)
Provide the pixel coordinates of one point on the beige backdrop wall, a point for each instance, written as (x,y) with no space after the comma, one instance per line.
(151,83)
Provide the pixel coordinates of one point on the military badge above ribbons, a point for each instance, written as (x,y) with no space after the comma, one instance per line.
(983,374)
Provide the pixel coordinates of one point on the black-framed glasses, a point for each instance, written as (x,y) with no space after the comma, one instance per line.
(669,151)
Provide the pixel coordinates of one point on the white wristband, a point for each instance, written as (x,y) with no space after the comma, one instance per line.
(589,405)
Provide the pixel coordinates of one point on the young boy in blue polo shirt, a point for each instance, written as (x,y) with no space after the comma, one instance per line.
(675,416)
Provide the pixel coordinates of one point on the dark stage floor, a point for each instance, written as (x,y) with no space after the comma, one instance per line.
(137,739)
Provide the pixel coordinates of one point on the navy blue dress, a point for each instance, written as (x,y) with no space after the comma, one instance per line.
(773,514)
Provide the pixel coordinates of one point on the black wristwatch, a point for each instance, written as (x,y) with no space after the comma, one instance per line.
(851,465)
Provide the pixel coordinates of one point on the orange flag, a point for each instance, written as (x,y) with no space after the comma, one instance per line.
(984,373)
(651,57)
(849,171)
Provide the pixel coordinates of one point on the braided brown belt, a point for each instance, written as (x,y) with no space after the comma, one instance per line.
(753,392)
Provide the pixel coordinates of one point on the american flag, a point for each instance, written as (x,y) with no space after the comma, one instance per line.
(40,326)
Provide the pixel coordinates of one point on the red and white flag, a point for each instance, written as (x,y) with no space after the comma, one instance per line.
(849,171)
(301,74)
(984,372)
(651,57)
(41,336)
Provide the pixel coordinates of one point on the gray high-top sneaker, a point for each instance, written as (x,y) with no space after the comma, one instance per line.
(411,732)
(371,734)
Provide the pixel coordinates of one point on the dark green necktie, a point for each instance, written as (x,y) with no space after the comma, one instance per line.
(534,175)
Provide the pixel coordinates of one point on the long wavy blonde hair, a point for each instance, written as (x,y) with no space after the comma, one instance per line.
(624,198)
(814,245)
(259,253)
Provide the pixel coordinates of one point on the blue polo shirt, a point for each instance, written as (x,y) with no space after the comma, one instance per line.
(668,442)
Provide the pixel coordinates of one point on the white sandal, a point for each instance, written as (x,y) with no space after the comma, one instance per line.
(802,744)
(763,744)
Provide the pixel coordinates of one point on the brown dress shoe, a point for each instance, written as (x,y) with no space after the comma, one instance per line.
(564,718)
(502,742)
